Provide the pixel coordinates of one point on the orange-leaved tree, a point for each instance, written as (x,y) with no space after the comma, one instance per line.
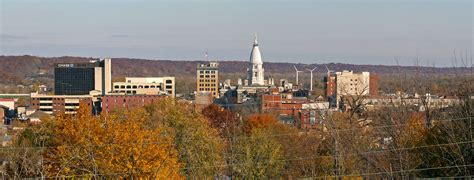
(223,120)
(260,121)
(117,145)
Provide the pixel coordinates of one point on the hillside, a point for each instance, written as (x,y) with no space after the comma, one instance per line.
(30,70)
(14,69)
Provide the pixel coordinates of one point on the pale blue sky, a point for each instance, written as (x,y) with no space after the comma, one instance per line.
(306,31)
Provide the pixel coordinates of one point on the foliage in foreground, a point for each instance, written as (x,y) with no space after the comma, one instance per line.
(170,139)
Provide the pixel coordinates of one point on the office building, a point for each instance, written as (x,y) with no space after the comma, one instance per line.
(81,78)
(207,78)
(62,104)
(350,84)
(146,86)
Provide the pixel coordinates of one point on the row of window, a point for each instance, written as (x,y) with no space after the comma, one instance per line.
(208,72)
(207,76)
(207,80)
(207,89)
(57,104)
(141,87)
(135,87)
(207,85)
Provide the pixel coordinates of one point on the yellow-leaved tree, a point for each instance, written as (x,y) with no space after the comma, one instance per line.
(115,145)
(200,146)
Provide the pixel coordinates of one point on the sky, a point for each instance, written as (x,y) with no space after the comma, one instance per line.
(303,31)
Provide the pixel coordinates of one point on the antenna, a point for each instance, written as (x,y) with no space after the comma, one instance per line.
(297,73)
(311,84)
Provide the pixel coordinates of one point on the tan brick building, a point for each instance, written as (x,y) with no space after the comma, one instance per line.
(207,78)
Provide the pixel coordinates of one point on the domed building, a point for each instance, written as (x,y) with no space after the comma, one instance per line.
(255,71)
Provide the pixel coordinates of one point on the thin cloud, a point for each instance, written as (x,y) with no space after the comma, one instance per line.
(10,37)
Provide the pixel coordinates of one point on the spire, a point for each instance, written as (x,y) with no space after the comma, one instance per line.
(255,56)
(255,42)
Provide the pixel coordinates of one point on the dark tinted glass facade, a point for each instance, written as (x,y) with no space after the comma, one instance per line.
(74,79)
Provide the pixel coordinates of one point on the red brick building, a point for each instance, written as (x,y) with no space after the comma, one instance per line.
(60,104)
(111,102)
(284,104)
(330,85)
(373,84)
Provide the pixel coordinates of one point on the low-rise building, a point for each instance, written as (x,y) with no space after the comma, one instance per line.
(62,104)
(423,102)
(146,85)
(9,103)
(114,102)
(203,99)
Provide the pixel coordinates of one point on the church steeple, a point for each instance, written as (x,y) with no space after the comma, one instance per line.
(255,69)
(255,56)
(255,42)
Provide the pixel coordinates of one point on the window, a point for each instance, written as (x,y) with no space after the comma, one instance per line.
(169,81)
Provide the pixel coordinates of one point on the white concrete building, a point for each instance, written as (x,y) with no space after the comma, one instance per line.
(349,83)
(352,84)
(103,76)
(255,71)
(146,85)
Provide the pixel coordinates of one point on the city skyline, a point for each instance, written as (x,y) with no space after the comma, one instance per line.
(356,32)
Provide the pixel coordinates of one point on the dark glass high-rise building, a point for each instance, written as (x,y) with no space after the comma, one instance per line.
(81,78)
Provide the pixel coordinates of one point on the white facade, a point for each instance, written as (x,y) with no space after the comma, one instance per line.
(107,77)
(9,103)
(146,85)
(103,77)
(255,71)
(352,84)
(349,83)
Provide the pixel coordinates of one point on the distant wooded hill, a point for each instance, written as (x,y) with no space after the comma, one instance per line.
(15,69)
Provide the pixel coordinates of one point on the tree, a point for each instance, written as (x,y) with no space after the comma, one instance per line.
(223,120)
(115,145)
(199,145)
(260,121)
(300,151)
(257,155)
(133,149)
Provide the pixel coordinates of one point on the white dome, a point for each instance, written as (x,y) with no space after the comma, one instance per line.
(255,56)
